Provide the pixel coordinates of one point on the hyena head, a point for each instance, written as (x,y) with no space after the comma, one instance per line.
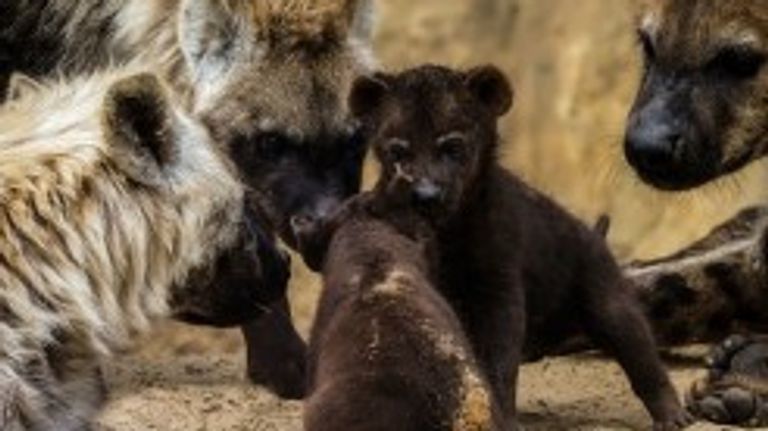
(271,80)
(702,110)
(218,277)
(434,129)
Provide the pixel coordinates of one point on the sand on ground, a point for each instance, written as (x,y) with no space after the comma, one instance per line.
(192,379)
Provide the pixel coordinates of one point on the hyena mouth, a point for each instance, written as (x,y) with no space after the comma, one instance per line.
(698,171)
(689,173)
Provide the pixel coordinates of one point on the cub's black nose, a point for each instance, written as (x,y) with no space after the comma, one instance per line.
(427,193)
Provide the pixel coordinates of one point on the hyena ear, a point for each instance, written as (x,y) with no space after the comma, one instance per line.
(208,31)
(21,85)
(368,95)
(361,18)
(138,124)
(491,88)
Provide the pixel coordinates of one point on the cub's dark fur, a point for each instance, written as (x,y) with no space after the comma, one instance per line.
(520,271)
(387,351)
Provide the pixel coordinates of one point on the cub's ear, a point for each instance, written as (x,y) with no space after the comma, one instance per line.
(138,125)
(208,33)
(490,86)
(361,19)
(368,95)
(21,85)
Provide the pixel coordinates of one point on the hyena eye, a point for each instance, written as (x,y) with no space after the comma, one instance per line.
(646,42)
(737,63)
(272,146)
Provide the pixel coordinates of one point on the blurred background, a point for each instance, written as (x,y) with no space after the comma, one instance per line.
(575,66)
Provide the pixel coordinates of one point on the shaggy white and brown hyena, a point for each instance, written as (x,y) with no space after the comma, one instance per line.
(110,197)
(270,79)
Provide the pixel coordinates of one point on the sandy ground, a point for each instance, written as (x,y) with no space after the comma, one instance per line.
(575,75)
(192,380)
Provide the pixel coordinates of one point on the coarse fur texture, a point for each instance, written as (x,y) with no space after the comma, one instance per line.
(268,78)
(109,197)
(387,351)
(270,81)
(521,273)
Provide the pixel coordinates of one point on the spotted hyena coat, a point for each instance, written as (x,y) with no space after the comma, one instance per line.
(701,113)
(109,197)
(269,80)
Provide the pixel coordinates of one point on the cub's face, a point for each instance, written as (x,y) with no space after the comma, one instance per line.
(702,108)
(433,129)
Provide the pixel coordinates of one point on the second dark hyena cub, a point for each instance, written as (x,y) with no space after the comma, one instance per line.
(387,351)
(520,271)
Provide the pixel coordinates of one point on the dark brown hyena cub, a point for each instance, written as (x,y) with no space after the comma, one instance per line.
(520,271)
(387,352)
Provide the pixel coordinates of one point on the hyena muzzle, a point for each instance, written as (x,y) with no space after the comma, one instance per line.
(279,108)
(269,79)
(702,113)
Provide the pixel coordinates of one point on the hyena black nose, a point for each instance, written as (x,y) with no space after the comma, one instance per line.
(426,192)
(654,147)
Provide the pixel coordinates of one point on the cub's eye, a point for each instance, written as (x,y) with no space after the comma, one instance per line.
(737,63)
(453,147)
(646,42)
(398,150)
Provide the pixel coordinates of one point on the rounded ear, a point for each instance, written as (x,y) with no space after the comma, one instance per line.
(490,86)
(367,95)
(138,125)
(206,31)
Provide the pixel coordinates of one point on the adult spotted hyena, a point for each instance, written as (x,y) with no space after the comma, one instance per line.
(111,198)
(701,113)
(270,82)
(269,79)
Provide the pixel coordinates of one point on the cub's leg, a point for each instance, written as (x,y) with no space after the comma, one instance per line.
(615,323)
(496,328)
